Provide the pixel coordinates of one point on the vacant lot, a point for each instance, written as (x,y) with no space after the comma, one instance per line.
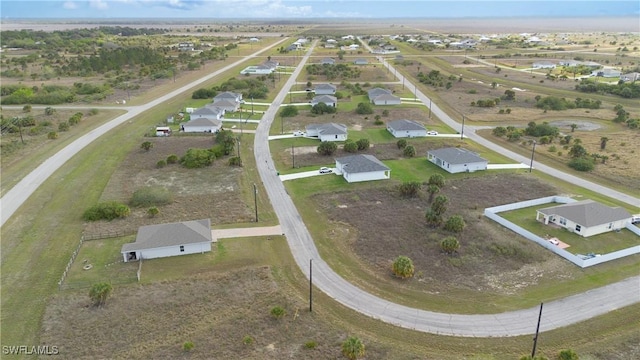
(212,192)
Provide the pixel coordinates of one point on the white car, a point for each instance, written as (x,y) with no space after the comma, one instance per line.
(325,170)
(298,133)
(554,241)
(432,132)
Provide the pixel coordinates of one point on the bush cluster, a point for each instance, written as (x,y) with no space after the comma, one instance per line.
(106,211)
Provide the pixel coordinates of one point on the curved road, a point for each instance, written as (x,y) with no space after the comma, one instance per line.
(556,314)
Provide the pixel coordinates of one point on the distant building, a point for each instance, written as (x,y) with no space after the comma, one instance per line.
(457,160)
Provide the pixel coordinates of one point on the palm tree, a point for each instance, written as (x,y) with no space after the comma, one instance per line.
(403,267)
(353,348)
(432,189)
(603,142)
(99,293)
(573,127)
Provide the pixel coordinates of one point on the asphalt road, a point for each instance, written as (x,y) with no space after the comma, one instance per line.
(15,197)
(556,314)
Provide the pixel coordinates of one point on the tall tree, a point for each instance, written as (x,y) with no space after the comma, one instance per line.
(432,189)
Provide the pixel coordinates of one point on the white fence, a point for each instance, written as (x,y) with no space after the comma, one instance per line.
(492,213)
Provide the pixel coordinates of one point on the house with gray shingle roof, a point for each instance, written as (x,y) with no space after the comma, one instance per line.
(379,96)
(457,160)
(202,125)
(585,218)
(228,105)
(229,96)
(327,132)
(208,111)
(406,128)
(325,89)
(356,168)
(325,99)
(172,239)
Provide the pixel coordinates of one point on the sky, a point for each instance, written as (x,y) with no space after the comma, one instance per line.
(310,9)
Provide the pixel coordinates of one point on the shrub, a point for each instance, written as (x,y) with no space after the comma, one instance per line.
(106,211)
(146,146)
(449,244)
(455,223)
(378,122)
(188,346)
(172,159)
(363,144)
(63,126)
(402,143)
(153,211)
(99,293)
(581,164)
(310,344)
(403,267)
(327,148)
(568,354)
(364,108)
(197,158)
(437,179)
(235,161)
(350,147)
(161,163)
(409,151)
(247,340)
(277,312)
(52,135)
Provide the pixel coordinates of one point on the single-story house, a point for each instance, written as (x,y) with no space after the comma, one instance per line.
(271,64)
(164,240)
(328,61)
(207,111)
(406,128)
(379,96)
(186,46)
(256,70)
(228,95)
(163,131)
(585,217)
(332,41)
(327,132)
(632,76)
(456,160)
(608,73)
(326,99)
(355,168)
(325,89)
(254,39)
(202,125)
(348,37)
(361,62)
(227,105)
(544,65)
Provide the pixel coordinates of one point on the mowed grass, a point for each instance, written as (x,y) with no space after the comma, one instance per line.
(598,244)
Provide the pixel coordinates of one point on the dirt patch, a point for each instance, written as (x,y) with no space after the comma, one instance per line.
(212,192)
(490,257)
(582,125)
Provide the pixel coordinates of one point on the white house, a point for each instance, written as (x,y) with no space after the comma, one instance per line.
(325,99)
(227,105)
(202,125)
(607,73)
(328,61)
(585,217)
(207,111)
(356,168)
(632,77)
(456,160)
(163,131)
(379,96)
(360,62)
(406,128)
(325,89)
(348,37)
(228,95)
(256,70)
(164,240)
(544,65)
(327,132)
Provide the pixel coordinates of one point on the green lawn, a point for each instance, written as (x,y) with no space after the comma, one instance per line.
(598,244)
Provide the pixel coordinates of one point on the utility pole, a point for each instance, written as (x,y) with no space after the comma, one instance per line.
(282,125)
(310,285)
(532,153)
(429,108)
(293,157)
(238,141)
(255,199)
(252,106)
(535,339)
(462,131)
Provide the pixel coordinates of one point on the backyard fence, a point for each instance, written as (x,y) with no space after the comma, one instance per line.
(73,257)
(107,235)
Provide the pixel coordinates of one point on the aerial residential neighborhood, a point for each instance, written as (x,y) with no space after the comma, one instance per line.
(306,180)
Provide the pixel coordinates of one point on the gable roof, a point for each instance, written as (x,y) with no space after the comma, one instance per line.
(455,155)
(325,99)
(225,102)
(587,212)
(203,121)
(227,95)
(385,97)
(171,234)
(405,125)
(207,110)
(375,92)
(361,163)
(328,129)
(325,87)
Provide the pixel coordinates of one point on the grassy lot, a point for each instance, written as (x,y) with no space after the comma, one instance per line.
(598,244)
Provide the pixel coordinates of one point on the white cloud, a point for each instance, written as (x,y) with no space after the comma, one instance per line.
(98,4)
(70,5)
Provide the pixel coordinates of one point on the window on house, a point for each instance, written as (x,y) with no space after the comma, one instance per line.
(578,228)
(563,221)
(610,226)
(181,248)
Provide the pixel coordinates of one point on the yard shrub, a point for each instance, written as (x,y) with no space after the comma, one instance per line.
(364,108)
(153,211)
(402,143)
(187,346)
(172,159)
(449,244)
(437,179)
(409,151)
(363,144)
(327,148)
(63,126)
(353,348)
(197,158)
(151,196)
(410,188)
(146,146)
(106,211)
(310,344)
(568,354)
(455,223)
(433,218)
(403,267)
(277,312)
(350,146)
(161,163)
(99,293)
(247,340)
(581,164)
(52,135)
(235,161)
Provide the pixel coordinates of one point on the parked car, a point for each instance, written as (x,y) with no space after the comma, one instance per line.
(432,132)
(325,170)
(554,241)
(635,219)
(298,133)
